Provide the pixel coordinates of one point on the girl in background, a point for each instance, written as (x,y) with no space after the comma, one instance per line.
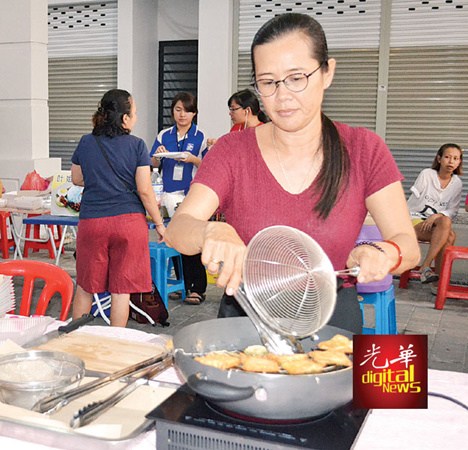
(434,202)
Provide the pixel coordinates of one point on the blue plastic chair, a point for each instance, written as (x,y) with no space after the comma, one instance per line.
(162,262)
(383,304)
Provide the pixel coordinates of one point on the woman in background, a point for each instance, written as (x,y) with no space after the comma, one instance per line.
(434,202)
(112,249)
(245,112)
(177,174)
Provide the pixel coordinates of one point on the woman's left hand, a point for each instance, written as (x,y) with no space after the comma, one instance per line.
(187,158)
(374,264)
(161,229)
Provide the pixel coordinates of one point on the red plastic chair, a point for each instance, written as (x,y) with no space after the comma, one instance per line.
(5,242)
(445,289)
(56,280)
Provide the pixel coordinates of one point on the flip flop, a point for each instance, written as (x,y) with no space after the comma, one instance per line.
(175,296)
(194,298)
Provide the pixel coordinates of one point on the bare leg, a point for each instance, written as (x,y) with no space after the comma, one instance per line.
(81,303)
(438,237)
(119,309)
(438,260)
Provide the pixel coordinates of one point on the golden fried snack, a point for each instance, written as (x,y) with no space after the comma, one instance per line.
(256,350)
(259,364)
(331,358)
(286,358)
(302,366)
(220,360)
(337,343)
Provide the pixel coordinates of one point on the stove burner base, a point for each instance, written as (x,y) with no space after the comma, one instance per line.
(185,420)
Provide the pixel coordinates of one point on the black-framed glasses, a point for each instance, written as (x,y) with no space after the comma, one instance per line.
(296,82)
(234,109)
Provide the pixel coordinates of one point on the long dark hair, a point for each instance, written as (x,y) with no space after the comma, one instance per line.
(247,99)
(440,153)
(333,176)
(108,119)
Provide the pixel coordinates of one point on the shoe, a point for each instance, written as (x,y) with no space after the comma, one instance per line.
(434,287)
(428,276)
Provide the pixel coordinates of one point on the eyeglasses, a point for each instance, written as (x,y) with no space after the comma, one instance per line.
(296,82)
(235,109)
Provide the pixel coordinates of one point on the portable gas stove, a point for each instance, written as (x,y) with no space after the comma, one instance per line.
(187,420)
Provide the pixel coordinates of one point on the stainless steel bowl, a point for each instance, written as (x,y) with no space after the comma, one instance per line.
(27,377)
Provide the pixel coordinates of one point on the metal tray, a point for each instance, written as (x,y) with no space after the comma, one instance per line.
(118,428)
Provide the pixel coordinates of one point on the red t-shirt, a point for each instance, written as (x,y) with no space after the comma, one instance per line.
(251,198)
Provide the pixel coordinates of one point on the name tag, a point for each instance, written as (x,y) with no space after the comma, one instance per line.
(178,172)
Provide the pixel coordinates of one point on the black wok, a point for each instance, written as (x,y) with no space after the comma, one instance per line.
(267,396)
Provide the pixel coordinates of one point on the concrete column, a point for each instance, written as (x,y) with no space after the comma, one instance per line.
(24,112)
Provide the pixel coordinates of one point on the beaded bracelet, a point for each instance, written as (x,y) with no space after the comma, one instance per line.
(380,249)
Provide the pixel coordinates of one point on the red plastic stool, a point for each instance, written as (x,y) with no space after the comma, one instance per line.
(47,245)
(6,243)
(445,289)
(411,274)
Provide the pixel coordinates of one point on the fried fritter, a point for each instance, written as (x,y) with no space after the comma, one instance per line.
(220,360)
(331,358)
(337,343)
(259,364)
(302,366)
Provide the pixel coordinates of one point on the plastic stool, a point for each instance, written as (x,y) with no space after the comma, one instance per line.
(445,289)
(161,257)
(411,274)
(46,245)
(384,311)
(5,241)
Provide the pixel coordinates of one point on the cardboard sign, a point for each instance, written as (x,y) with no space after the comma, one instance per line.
(66,197)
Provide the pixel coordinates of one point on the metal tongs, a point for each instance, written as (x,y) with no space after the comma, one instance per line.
(55,402)
(93,410)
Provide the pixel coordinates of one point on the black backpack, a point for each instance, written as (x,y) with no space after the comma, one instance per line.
(152,304)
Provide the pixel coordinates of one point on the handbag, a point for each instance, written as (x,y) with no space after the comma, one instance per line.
(152,304)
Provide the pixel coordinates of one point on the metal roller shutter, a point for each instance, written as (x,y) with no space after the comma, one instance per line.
(82,67)
(427,69)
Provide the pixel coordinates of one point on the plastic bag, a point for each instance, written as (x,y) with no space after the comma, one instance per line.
(34,182)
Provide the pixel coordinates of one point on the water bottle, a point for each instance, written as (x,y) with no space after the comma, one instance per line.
(157,182)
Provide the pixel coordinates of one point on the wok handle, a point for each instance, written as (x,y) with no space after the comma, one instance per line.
(217,391)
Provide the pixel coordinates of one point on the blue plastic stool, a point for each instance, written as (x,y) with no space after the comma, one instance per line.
(161,257)
(384,311)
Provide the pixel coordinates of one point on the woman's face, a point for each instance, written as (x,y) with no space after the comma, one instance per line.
(237,113)
(182,118)
(129,120)
(450,159)
(287,55)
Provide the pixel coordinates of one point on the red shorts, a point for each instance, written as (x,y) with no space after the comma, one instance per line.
(112,254)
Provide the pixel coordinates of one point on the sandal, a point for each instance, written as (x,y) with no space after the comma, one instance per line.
(194,298)
(175,296)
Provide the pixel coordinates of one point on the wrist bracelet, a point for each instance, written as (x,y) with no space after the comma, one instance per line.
(400,257)
(371,244)
(380,249)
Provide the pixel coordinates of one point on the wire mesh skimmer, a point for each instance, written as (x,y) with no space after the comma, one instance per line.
(289,287)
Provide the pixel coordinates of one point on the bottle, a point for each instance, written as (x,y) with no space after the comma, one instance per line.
(157,182)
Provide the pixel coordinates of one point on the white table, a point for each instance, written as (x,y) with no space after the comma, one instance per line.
(444,425)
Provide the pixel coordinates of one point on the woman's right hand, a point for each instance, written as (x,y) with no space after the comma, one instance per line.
(161,149)
(223,252)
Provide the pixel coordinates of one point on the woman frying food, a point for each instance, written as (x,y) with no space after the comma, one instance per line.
(302,170)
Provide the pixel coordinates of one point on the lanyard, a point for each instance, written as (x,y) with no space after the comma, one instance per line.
(180,147)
